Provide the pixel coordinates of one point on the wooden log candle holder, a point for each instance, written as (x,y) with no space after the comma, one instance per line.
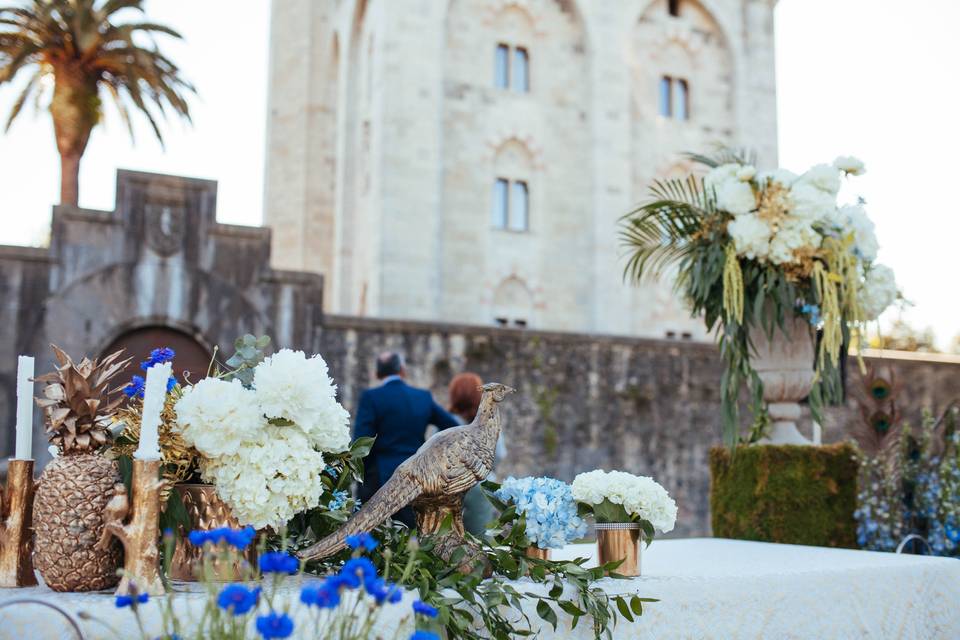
(16,533)
(140,533)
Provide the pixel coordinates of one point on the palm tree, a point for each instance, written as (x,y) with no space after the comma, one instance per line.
(79,44)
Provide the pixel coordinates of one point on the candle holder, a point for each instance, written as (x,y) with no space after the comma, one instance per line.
(16,534)
(140,533)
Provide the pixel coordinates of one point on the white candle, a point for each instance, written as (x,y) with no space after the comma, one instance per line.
(24,408)
(154,394)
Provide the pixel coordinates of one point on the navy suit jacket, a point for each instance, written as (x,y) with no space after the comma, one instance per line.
(397,415)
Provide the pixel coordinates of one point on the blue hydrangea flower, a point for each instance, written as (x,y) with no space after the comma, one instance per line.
(813,312)
(131,601)
(158,356)
(331,471)
(238,599)
(339,501)
(275,625)
(549,509)
(424,609)
(364,540)
(424,635)
(278,562)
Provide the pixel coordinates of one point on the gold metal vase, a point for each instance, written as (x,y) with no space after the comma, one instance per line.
(536,552)
(206,511)
(619,541)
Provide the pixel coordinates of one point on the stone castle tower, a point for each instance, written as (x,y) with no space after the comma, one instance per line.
(468,160)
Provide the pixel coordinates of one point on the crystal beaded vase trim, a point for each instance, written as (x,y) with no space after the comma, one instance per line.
(619,541)
(205,511)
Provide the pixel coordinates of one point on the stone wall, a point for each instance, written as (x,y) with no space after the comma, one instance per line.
(587,401)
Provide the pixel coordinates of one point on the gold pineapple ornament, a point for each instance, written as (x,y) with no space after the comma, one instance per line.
(68,511)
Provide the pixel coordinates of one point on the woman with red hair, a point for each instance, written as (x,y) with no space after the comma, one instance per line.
(464,392)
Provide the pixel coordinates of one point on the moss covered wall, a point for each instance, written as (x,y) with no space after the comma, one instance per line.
(790,494)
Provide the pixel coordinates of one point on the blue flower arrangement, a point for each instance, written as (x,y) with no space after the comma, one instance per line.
(548,508)
(241,607)
(135,388)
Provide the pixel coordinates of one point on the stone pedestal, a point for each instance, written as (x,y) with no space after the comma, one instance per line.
(785,363)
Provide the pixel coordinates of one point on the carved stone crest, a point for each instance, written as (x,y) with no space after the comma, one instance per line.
(165,227)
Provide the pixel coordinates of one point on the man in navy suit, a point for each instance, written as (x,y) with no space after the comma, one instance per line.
(397,415)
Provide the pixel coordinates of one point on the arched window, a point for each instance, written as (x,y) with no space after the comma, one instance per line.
(674,98)
(191,361)
(666,96)
(511,68)
(501,67)
(512,304)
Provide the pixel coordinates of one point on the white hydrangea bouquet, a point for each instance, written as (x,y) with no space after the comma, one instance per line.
(620,497)
(261,433)
(754,249)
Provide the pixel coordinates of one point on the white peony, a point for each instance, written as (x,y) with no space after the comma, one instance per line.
(824,177)
(269,480)
(640,496)
(720,175)
(290,386)
(810,202)
(215,416)
(850,165)
(783,176)
(856,221)
(746,173)
(793,234)
(736,197)
(879,291)
(751,236)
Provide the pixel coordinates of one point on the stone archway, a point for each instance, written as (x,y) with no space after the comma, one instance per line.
(192,358)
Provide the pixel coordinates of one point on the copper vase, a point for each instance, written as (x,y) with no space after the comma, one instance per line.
(619,541)
(537,552)
(206,511)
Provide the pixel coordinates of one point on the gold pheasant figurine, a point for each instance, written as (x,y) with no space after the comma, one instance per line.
(433,481)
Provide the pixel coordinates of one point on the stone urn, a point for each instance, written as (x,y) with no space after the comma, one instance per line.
(785,364)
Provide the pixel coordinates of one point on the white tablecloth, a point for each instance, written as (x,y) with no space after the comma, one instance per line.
(708,588)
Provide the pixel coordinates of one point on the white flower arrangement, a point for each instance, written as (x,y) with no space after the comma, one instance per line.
(262,446)
(617,496)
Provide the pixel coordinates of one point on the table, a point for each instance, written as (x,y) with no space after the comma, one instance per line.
(708,588)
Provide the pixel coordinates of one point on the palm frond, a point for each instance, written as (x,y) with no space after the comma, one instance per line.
(22,98)
(723,155)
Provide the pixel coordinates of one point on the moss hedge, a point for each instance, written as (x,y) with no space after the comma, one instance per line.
(785,493)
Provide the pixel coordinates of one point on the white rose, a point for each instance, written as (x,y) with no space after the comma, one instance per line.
(850,165)
(823,177)
(879,291)
(746,173)
(751,236)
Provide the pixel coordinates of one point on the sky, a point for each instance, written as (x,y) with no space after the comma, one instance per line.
(870,78)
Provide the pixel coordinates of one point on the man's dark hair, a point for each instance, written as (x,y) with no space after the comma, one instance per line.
(389,364)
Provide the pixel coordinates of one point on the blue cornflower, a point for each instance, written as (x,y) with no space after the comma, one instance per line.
(424,635)
(325,595)
(158,356)
(171,636)
(171,383)
(279,562)
(238,599)
(356,570)
(131,601)
(134,388)
(275,625)
(381,590)
(424,609)
(237,538)
(364,540)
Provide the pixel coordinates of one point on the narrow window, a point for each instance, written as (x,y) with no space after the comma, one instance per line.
(520,322)
(500,204)
(501,321)
(673,7)
(666,109)
(501,67)
(519,206)
(681,100)
(521,70)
